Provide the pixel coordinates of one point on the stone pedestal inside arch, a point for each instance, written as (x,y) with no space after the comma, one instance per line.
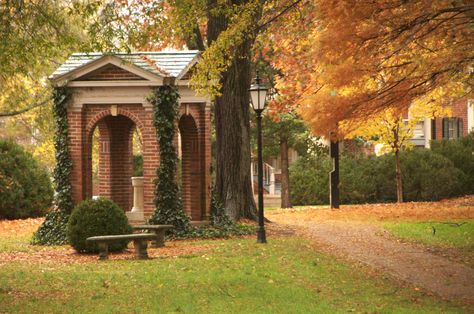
(136,215)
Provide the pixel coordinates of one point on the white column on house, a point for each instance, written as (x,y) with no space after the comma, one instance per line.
(251,176)
(427,131)
(272,181)
(470,115)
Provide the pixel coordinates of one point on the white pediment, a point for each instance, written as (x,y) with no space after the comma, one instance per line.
(87,74)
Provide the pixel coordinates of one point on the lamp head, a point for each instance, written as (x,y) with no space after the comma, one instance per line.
(258,95)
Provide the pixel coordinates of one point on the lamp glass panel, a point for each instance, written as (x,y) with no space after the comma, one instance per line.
(258,93)
(263,98)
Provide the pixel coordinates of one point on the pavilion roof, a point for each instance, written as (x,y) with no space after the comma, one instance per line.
(163,63)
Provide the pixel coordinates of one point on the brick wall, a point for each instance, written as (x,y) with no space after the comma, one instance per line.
(109,72)
(459,110)
(115,154)
(191,167)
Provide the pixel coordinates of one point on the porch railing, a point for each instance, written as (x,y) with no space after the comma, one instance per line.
(268,177)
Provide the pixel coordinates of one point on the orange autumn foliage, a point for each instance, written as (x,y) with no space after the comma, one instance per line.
(344,62)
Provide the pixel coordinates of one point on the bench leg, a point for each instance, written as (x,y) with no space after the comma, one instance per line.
(103,251)
(140,249)
(160,239)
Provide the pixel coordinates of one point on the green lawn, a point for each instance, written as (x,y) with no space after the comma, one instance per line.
(287,275)
(459,234)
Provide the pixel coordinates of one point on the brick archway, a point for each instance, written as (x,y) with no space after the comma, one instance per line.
(111,94)
(191,172)
(115,159)
(118,181)
(115,155)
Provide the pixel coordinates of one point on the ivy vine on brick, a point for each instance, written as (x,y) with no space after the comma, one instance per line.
(168,201)
(53,229)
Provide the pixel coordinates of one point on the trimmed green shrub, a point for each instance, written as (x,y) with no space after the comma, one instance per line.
(427,176)
(25,186)
(95,218)
(461,153)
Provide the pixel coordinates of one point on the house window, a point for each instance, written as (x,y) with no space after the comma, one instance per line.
(452,128)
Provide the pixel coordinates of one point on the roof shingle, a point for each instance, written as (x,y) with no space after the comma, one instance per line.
(164,63)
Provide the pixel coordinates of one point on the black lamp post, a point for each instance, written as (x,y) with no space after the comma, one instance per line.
(258,95)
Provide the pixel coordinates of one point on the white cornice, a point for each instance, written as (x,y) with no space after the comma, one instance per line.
(122,83)
(103,61)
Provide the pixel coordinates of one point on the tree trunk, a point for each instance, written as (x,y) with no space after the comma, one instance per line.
(334,175)
(232,123)
(285,174)
(398,177)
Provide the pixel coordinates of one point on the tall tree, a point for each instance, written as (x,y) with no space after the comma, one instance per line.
(226,31)
(34,38)
(393,131)
(345,61)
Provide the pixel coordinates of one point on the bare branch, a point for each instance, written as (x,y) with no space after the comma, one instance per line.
(18,112)
(283,12)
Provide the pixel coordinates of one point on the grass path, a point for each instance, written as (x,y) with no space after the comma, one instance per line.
(370,244)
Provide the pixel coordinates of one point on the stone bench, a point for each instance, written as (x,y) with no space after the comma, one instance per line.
(140,242)
(158,231)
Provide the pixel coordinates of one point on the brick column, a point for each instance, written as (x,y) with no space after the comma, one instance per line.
(191,167)
(121,160)
(105,179)
(206,159)
(151,161)
(76,148)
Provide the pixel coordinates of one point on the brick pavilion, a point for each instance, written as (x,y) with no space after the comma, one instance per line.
(109,92)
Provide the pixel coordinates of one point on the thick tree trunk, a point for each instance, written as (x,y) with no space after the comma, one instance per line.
(233,140)
(232,123)
(285,174)
(398,176)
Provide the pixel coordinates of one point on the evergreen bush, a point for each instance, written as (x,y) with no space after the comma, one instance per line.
(96,218)
(358,182)
(25,186)
(461,154)
(309,180)
(427,176)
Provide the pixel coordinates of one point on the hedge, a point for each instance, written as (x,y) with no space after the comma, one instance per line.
(460,152)
(426,176)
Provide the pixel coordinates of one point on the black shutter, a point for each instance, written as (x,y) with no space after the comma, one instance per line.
(433,129)
(460,127)
(445,128)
